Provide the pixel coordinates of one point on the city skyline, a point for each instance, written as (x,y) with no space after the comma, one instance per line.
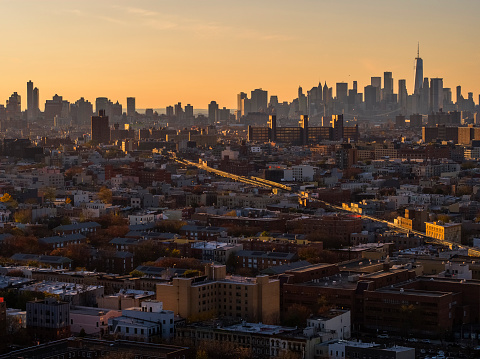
(164,53)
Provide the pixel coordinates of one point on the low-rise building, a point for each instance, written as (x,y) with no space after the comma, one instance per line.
(260,260)
(94,321)
(144,323)
(63,241)
(451,232)
(85,228)
(48,319)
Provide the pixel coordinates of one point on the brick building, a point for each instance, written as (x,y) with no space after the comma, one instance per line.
(253,299)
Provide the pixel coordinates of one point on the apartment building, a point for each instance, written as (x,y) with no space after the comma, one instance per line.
(253,299)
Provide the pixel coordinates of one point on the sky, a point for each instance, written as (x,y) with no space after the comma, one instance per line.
(191,51)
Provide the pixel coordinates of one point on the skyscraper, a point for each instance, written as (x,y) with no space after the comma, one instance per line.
(387,86)
(436,94)
(259,99)
(14,107)
(325,93)
(370,93)
(84,111)
(169,111)
(35,103)
(100,128)
(342,92)
(425,96)
(131,106)
(302,101)
(188,112)
(402,95)
(459,94)
(418,72)
(30,111)
(102,103)
(377,83)
(240,97)
(179,111)
(212,112)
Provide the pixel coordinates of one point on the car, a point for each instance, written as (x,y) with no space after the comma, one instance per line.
(413,340)
(426,341)
(383,336)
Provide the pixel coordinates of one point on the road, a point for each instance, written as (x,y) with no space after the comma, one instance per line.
(260,182)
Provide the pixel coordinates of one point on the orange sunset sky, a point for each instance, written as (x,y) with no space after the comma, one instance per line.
(193,51)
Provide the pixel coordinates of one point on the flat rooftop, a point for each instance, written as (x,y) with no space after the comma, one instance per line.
(259,328)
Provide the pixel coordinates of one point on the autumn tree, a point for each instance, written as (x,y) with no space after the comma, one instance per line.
(6,198)
(23,216)
(78,253)
(137,274)
(169,225)
(49,194)
(105,195)
(147,251)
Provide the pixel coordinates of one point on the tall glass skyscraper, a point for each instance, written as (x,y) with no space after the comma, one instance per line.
(418,72)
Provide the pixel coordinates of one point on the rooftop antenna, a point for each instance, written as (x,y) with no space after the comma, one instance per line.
(418,50)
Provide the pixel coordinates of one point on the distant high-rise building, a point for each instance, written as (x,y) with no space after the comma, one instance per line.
(100,128)
(418,72)
(169,111)
(102,103)
(30,111)
(14,107)
(245,106)
(188,111)
(240,97)
(387,86)
(259,99)
(425,96)
(436,94)
(342,92)
(83,112)
(377,83)
(117,109)
(273,101)
(56,107)
(370,92)
(223,115)
(459,94)
(325,93)
(354,87)
(402,95)
(131,110)
(212,112)
(35,103)
(179,111)
(302,101)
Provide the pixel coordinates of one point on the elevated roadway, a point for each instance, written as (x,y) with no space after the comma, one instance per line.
(260,182)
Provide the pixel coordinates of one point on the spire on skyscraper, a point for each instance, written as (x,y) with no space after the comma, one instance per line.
(418,71)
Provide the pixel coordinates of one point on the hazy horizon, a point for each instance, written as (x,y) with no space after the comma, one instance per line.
(194,52)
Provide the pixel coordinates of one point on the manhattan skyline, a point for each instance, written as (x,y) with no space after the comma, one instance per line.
(163,53)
